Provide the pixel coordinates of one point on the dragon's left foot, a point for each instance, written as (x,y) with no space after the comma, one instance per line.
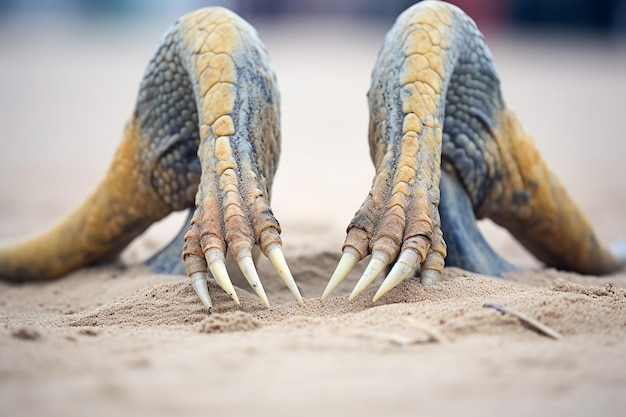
(435,99)
(399,221)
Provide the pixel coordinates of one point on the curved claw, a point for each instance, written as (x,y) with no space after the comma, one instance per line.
(407,263)
(199,284)
(430,277)
(219,272)
(277,259)
(374,268)
(246,264)
(346,264)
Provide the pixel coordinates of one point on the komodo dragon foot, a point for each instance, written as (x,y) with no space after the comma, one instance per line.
(435,102)
(206,130)
(207,113)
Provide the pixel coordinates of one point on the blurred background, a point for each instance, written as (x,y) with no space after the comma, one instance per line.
(69,73)
(598,15)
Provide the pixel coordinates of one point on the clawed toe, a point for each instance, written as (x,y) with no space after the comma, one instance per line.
(430,277)
(277,259)
(200,286)
(246,264)
(348,261)
(405,266)
(218,270)
(374,268)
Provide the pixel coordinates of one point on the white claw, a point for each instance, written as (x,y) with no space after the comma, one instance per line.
(374,268)
(246,264)
(277,258)
(219,272)
(406,264)
(200,286)
(430,277)
(347,262)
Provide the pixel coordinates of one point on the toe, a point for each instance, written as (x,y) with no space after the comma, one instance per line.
(200,286)
(374,268)
(219,272)
(346,264)
(408,261)
(278,261)
(246,264)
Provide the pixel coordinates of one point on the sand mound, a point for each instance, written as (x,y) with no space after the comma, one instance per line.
(454,308)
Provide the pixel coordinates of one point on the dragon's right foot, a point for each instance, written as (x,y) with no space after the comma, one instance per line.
(239,146)
(238,151)
(232,213)
(220,222)
(435,99)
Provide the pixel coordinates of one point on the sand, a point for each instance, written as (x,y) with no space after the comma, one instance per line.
(119,340)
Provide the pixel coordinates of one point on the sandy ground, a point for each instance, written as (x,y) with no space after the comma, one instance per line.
(123,341)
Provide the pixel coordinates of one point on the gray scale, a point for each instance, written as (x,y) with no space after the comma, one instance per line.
(168,116)
(473,100)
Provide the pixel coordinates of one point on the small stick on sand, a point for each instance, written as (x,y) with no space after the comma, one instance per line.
(525,319)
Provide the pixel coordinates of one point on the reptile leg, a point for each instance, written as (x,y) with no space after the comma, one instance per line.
(123,205)
(466,246)
(207,113)
(239,147)
(435,93)
(399,220)
(527,199)
(167,260)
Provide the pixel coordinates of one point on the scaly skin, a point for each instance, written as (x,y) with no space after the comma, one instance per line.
(207,113)
(435,96)
(123,206)
(206,129)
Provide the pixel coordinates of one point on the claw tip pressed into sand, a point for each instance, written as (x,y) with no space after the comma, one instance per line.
(398,273)
(278,261)
(346,264)
(430,277)
(219,272)
(374,268)
(246,264)
(199,284)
